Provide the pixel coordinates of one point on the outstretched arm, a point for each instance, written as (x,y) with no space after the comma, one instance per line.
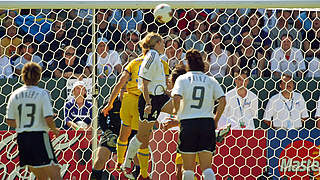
(122,81)
(220,109)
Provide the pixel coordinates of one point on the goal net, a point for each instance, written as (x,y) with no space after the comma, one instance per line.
(275,133)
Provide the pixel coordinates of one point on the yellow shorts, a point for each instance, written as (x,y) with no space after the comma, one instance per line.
(179,159)
(129,113)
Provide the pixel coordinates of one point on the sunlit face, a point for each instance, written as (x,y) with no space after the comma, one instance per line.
(287,84)
(253,20)
(70,54)
(316,23)
(59,28)
(79,91)
(160,46)
(171,49)
(102,47)
(286,43)
(247,39)
(241,80)
(216,39)
(12,31)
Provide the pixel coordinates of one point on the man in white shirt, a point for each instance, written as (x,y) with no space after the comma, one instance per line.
(287,59)
(242,104)
(108,61)
(287,109)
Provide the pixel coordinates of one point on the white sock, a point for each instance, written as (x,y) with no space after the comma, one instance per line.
(131,151)
(208,174)
(188,175)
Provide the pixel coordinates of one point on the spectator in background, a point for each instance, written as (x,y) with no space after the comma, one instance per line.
(78,110)
(69,66)
(287,59)
(108,61)
(270,19)
(128,19)
(199,37)
(186,21)
(11,40)
(285,25)
(27,54)
(313,70)
(55,41)
(311,44)
(247,56)
(218,57)
(288,108)
(131,48)
(173,52)
(254,25)
(242,104)
(5,65)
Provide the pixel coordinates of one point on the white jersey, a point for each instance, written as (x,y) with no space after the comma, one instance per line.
(152,69)
(286,113)
(198,92)
(29,105)
(240,112)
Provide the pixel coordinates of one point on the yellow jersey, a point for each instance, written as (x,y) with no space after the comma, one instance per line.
(133,69)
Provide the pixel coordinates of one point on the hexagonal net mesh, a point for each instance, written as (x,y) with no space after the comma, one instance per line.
(266,61)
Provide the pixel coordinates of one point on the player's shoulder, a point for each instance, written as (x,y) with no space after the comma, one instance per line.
(276,97)
(297,95)
(136,61)
(251,95)
(231,93)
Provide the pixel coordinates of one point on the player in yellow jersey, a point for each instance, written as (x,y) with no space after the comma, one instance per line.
(129,113)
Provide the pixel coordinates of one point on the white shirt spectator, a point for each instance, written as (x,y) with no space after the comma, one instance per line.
(152,69)
(286,113)
(219,64)
(21,61)
(105,65)
(240,112)
(314,68)
(279,63)
(198,92)
(5,67)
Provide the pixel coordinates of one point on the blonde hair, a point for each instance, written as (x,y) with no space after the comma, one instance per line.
(31,73)
(149,41)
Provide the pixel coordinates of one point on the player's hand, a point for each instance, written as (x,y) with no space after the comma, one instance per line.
(56,132)
(107,109)
(148,109)
(171,123)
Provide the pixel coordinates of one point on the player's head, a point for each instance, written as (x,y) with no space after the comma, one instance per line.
(194,61)
(176,72)
(31,74)
(286,83)
(79,90)
(241,78)
(102,45)
(152,41)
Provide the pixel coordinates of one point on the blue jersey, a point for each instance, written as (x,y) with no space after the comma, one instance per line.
(73,113)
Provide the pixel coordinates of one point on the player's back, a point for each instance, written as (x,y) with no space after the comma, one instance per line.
(198,95)
(29,105)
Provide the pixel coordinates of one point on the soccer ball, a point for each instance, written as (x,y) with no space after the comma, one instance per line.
(163,13)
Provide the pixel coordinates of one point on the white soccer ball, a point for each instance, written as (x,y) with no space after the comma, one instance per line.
(82,124)
(163,13)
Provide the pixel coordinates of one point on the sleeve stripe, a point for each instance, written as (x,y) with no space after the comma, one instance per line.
(150,60)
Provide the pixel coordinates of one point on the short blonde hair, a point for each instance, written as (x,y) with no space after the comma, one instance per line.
(31,73)
(149,41)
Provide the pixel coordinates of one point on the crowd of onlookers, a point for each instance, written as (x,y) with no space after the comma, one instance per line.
(268,42)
